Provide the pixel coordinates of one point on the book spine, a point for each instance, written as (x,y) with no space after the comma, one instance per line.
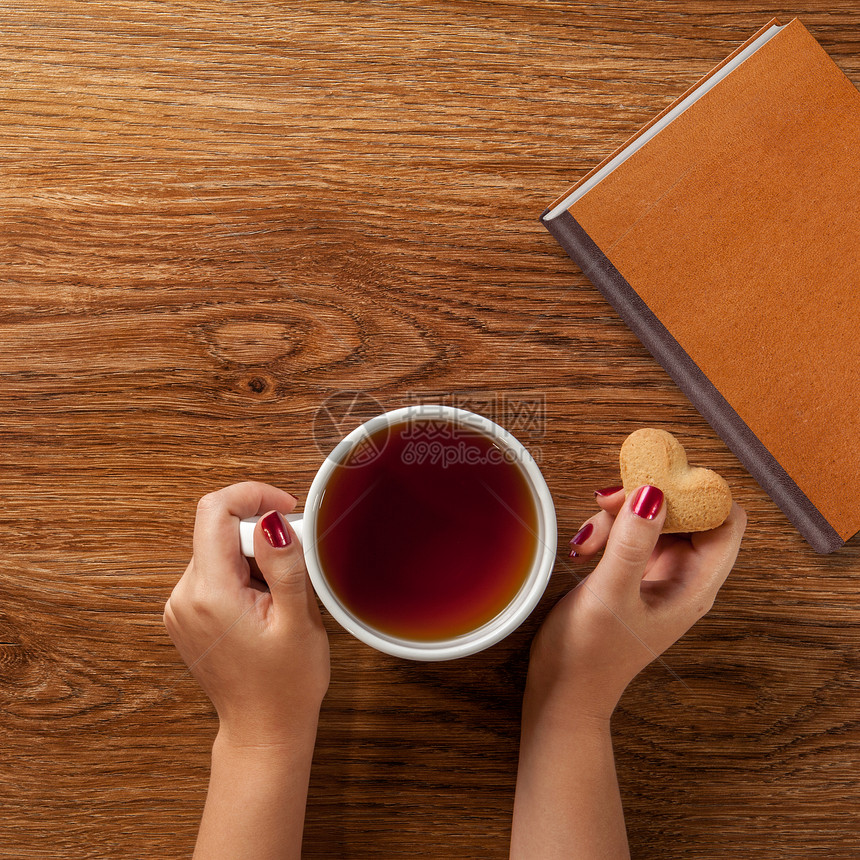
(713,407)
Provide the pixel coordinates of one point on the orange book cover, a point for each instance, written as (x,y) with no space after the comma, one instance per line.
(726,233)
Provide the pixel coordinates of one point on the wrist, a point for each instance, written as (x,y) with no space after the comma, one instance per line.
(264,760)
(573,697)
(588,682)
(247,735)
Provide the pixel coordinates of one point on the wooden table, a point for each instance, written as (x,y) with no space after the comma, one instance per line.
(215,219)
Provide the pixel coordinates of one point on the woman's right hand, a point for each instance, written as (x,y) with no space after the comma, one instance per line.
(647,590)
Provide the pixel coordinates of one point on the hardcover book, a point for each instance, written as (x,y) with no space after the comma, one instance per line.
(726,233)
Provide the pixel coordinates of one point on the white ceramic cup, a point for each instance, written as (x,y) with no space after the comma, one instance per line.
(488,634)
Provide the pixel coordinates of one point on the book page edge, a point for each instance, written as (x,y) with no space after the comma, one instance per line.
(664,118)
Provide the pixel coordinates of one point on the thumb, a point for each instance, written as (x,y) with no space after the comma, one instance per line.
(281,560)
(631,541)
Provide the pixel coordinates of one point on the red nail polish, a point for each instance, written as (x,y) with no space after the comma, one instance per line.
(582,535)
(275,531)
(648,502)
(607,491)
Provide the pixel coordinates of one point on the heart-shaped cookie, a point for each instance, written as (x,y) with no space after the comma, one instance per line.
(696,499)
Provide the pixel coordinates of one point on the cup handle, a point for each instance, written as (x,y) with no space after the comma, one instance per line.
(246,532)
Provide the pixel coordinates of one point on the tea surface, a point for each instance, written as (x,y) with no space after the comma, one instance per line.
(426,531)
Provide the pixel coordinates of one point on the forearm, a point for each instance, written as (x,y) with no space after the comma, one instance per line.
(255,805)
(567,801)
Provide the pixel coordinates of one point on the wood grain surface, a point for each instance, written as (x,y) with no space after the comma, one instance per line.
(217,221)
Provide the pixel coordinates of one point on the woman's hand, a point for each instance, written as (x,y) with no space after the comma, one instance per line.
(646,592)
(253,638)
(260,654)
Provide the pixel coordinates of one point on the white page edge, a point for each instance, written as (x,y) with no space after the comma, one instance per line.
(655,129)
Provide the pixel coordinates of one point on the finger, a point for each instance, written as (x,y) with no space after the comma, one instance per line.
(610,499)
(631,541)
(280,557)
(591,537)
(176,595)
(257,581)
(216,529)
(717,551)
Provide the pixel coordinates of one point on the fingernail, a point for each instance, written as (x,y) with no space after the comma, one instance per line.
(275,530)
(607,491)
(647,502)
(580,538)
(582,535)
